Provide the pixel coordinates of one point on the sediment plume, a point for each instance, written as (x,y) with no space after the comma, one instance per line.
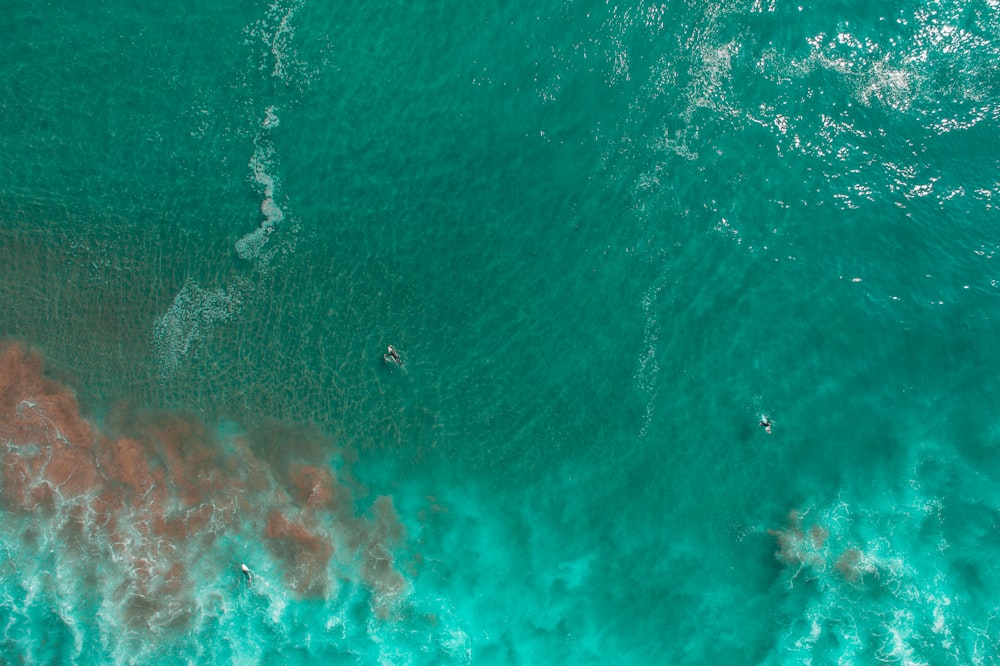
(304,553)
(798,547)
(849,565)
(807,549)
(151,493)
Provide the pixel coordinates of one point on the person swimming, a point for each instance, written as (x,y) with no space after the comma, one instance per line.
(392,356)
(246,572)
(765,423)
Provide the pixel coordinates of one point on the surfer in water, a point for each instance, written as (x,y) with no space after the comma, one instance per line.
(765,423)
(246,573)
(392,356)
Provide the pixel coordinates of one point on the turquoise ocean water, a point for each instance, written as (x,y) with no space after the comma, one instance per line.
(605,238)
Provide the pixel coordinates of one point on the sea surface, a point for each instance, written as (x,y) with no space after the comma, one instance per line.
(607,240)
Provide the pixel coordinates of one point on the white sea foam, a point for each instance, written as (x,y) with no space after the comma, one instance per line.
(711,83)
(277,32)
(647,374)
(873,580)
(677,90)
(257,246)
(192,314)
(195,310)
(271,120)
(457,644)
(938,73)
(252,245)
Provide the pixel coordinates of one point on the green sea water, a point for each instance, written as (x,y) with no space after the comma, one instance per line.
(606,241)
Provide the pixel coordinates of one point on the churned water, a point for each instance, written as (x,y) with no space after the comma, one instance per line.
(606,239)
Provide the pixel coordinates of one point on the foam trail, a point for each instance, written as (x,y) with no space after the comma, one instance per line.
(192,314)
(648,371)
(253,246)
(277,33)
(195,310)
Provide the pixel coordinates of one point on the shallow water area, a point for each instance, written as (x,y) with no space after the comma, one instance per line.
(606,241)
